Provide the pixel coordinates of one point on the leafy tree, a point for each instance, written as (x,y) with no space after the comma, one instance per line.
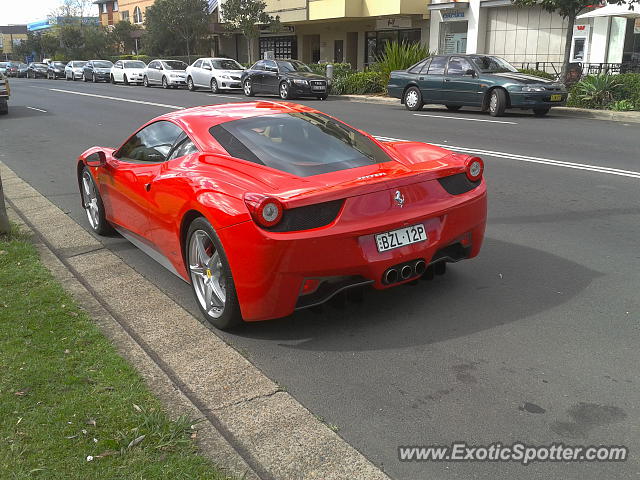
(121,36)
(567,9)
(97,43)
(246,16)
(72,40)
(186,19)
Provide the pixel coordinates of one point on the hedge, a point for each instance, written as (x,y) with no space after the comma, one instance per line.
(625,97)
(359,83)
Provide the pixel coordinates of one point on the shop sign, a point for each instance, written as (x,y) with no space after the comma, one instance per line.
(453,14)
(393,23)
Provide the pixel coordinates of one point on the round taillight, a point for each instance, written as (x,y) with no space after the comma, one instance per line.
(266,211)
(474,168)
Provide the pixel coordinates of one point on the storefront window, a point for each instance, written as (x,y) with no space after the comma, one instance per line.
(632,41)
(375,41)
(453,37)
(282,47)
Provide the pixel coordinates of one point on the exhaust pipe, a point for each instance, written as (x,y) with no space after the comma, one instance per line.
(406,272)
(419,267)
(391,276)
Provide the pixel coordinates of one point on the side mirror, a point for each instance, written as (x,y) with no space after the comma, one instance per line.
(96,159)
(470,72)
(207,67)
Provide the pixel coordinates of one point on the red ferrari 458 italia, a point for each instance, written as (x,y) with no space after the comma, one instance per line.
(267,207)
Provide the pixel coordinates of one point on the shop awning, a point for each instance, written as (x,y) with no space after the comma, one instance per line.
(495,3)
(612,10)
(448,5)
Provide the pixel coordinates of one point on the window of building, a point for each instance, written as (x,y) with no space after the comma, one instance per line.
(282,47)
(375,41)
(137,15)
(115,6)
(125,15)
(104,8)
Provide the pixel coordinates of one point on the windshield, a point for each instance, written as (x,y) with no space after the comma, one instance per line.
(226,65)
(42,65)
(58,64)
(102,64)
(78,64)
(488,64)
(292,66)
(134,64)
(174,65)
(3,64)
(302,144)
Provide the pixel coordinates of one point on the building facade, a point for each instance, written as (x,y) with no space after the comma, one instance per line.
(10,38)
(112,11)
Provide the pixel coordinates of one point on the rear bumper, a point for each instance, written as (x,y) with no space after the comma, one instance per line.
(269,283)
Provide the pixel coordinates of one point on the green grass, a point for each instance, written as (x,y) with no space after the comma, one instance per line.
(65,393)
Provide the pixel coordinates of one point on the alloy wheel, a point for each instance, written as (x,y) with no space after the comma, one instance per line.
(493,102)
(90,200)
(411,99)
(284,91)
(207,274)
(247,87)
(214,86)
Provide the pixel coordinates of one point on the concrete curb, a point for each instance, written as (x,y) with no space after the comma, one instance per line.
(253,428)
(625,117)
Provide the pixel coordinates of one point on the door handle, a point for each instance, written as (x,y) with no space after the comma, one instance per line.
(421,78)
(447,79)
(147,186)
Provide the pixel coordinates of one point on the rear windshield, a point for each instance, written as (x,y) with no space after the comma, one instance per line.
(174,65)
(302,144)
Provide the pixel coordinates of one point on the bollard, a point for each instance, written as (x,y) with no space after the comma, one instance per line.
(330,72)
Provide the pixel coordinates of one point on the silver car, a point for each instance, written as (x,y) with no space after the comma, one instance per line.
(73,69)
(214,73)
(168,73)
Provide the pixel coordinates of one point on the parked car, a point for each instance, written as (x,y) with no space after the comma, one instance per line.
(73,69)
(214,73)
(168,73)
(96,71)
(4,94)
(37,69)
(55,70)
(223,195)
(11,70)
(484,81)
(22,70)
(286,78)
(3,67)
(128,71)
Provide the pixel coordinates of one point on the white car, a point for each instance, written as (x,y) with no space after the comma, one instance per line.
(168,73)
(128,71)
(214,73)
(73,70)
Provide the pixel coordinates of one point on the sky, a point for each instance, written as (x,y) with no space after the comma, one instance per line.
(25,11)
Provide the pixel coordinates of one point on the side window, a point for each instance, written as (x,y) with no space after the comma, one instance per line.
(151,144)
(198,64)
(152,65)
(258,66)
(457,66)
(184,147)
(437,66)
(417,67)
(270,64)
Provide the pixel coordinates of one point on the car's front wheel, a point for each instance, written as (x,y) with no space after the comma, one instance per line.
(214,86)
(413,99)
(497,102)
(247,87)
(92,203)
(94,79)
(165,83)
(541,112)
(210,276)
(285,93)
(190,85)
(323,97)
(145,81)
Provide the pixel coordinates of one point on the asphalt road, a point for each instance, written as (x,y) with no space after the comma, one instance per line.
(547,316)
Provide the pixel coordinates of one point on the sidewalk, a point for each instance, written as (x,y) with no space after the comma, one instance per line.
(627,117)
(251,428)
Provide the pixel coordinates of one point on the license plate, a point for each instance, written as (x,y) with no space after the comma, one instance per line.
(401,237)
(317,87)
(556,98)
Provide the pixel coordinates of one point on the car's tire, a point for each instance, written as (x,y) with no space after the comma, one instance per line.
(413,99)
(4,107)
(94,79)
(190,85)
(541,112)
(165,83)
(92,203)
(323,97)
(214,86)
(113,79)
(145,82)
(210,276)
(125,81)
(284,91)
(247,87)
(497,102)
(453,108)
(84,77)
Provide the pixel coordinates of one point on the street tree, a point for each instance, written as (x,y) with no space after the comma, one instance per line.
(246,16)
(186,19)
(121,36)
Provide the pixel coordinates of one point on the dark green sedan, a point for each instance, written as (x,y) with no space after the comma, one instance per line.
(484,81)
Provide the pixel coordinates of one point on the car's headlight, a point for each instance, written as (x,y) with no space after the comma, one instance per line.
(226,77)
(533,89)
(298,81)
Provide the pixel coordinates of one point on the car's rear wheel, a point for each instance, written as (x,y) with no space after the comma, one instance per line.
(247,87)
(285,93)
(453,108)
(541,112)
(497,102)
(190,85)
(92,203)
(145,81)
(214,86)
(210,276)
(413,99)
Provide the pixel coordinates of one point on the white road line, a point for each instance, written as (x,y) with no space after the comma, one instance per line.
(38,109)
(525,158)
(237,97)
(163,105)
(465,119)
